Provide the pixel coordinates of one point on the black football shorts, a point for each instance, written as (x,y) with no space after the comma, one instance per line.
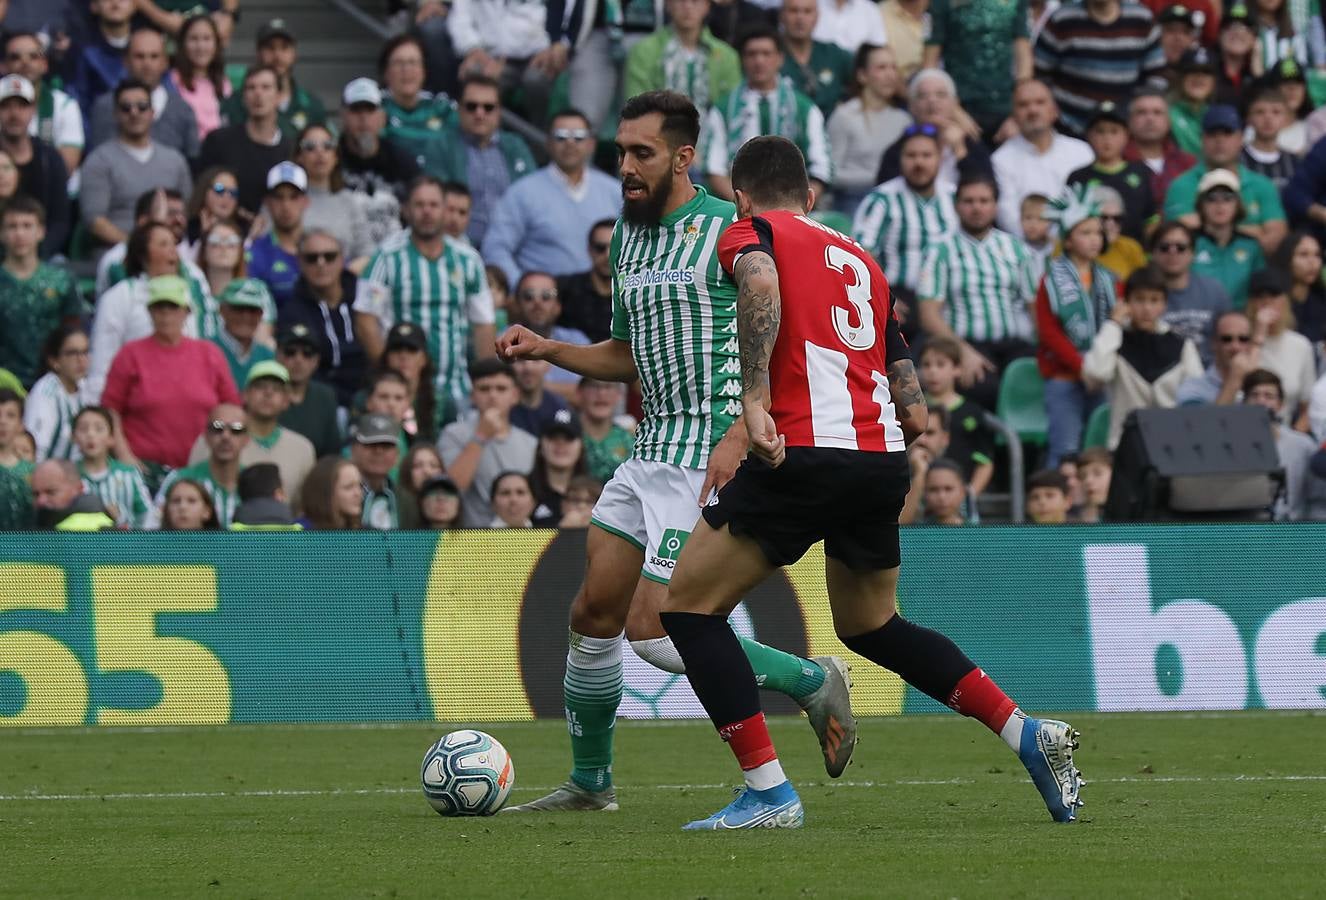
(850,499)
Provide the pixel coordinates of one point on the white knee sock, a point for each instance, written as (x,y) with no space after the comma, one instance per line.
(661,654)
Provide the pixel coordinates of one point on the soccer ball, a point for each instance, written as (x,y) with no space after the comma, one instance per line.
(467,773)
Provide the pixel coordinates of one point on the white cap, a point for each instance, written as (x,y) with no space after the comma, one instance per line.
(287,173)
(1218,178)
(362,90)
(16,86)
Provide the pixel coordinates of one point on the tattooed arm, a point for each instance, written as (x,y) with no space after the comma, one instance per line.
(908,399)
(759,311)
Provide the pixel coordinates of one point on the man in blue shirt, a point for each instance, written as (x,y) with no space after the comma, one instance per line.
(273,257)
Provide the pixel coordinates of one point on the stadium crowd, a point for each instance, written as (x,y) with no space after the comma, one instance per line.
(223,305)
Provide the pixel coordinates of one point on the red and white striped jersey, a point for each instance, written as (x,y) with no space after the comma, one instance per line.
(837,337)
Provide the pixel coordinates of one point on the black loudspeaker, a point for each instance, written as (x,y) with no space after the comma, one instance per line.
(1195,462)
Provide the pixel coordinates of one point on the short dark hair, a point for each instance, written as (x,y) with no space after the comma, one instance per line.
(15,35)
(949,348)
(477,78)
(55,340)
(100,411)
(533,273)
(259,481)
(490,366)
(1260,377)
(1214,330)
(257,69)
(569,112)
(1164,229)
(391,46)
(944,464)
(8,396)
(940,415)
(771,170)
(971,179)
(1095,456)
(456,187)
(601,223)
(1147,278)
(22,204)
(1268,93)
(681,120)
(421,181)
(1048,478)
(131,84)
(143,205)
(508,474)
(382,375)
(760,31)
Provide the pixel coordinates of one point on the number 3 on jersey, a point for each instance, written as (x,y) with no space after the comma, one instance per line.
(862,336)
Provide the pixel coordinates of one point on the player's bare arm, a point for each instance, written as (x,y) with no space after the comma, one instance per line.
(908,399)
(759,312)
(608,360)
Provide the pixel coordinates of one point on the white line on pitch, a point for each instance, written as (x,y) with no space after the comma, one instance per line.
(902,782)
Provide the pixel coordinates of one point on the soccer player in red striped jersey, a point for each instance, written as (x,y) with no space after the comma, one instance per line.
(831,401)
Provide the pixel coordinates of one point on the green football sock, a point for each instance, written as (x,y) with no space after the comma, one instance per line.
(782,672)
(592,690)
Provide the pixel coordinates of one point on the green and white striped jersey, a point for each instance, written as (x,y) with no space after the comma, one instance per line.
(676,306)
(223,498)
(985,286)
(898,226)
(443,296)
(123,492)
(49,414)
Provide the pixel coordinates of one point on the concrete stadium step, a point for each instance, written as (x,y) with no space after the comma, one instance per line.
(334,47)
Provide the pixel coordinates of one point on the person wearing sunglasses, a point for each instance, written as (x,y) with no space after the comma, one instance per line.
(1235,353)
(120,171)
(172,120)
(312,411)
(215,198)
(540,222)
(331,205)
(1193,300)
(272,256)
(1107,133)
(59,120)
(330,306)
(487,158)
(225,435)
(39,167)
(163,388)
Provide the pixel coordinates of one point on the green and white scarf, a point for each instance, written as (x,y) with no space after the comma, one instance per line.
(687,73)
(1080,315)
(749,113)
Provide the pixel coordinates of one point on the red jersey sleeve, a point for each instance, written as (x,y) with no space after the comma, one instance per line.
(1056,349)
(743,236)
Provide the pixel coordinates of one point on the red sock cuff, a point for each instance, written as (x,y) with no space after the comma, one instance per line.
(750,741)
(977,696)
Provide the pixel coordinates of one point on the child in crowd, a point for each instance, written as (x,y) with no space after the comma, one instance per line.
(607,444)
(1268,115)
(1107,133)
(969,442)
(439,503)
(11,434)
(1076,494)
(513,501)
(188,507)
(1135,355)
(1076,297)
(1047,498)
(1037,232)
(945,493)
(120,487)
(26,447)
(578,504)
(1095,465)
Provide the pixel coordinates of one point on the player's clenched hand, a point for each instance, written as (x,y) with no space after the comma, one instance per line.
(723,461)
(765,441)
(518,342)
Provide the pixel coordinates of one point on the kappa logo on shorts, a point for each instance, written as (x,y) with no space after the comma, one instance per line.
(669,548)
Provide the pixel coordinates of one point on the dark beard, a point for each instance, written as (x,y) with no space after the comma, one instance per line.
(649,210)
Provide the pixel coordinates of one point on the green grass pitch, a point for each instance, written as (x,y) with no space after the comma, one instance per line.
(1177,806)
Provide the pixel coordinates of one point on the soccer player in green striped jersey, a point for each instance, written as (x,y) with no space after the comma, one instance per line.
(120,487)
(226,435)
(674,327)
(437,283)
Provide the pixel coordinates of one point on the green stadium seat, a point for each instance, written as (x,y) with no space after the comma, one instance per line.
(235,75)
(835,220)
(1097,433)
(1021,401)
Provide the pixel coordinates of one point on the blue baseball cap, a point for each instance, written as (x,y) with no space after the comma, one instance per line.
(1221,117)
